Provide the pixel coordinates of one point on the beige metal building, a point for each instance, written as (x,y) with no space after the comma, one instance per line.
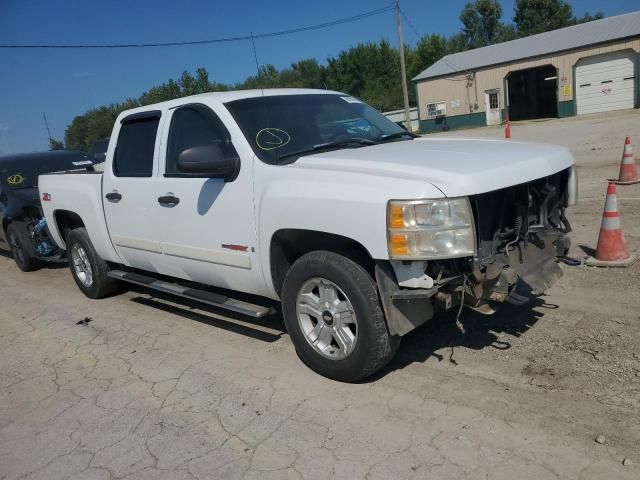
(586,68)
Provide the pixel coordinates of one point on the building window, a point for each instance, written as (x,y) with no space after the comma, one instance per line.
(437,109)
(493,100)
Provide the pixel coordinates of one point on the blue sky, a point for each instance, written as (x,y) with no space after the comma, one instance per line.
(65,83)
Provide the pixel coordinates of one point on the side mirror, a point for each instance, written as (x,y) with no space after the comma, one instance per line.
(208,161)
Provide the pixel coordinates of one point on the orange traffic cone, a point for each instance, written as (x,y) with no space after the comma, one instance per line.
(507,130)
(612,248)
(628,171)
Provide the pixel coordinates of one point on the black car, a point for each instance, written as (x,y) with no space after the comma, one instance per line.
(24,229)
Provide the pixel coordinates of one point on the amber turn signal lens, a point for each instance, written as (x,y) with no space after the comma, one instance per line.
(396,216)
(399,245)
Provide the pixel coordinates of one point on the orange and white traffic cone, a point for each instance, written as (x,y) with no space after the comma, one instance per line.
(612,249)
(628,171)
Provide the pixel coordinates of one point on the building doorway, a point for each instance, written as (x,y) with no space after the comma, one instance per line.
(533,93)
(492,107)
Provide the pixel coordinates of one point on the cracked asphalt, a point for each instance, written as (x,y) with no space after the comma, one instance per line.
(155,388)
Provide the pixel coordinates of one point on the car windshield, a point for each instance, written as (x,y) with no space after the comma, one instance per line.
(98,150)
(282,128)
(23,173)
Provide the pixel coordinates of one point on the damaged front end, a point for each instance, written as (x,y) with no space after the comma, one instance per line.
(521,232)
(521,235)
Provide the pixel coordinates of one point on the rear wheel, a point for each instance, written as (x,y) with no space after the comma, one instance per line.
(333,315)
(18,240)
(87,268)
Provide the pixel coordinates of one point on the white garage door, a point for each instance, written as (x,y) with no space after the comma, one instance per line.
(605,82)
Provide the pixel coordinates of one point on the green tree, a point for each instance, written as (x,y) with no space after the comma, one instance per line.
(537,16)
(161,93)
(587,17)
(370,71)
(310,73)
(55,144)
(429,50)
(456,43)
(268,77)
(94,124)
(481,23)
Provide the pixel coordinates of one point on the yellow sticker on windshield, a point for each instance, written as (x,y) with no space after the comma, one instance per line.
(16,179)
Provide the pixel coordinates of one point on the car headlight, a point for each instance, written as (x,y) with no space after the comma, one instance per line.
(430,229)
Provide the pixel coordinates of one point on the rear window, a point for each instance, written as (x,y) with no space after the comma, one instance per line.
(135,148)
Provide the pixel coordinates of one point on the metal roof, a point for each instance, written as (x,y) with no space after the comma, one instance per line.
(569,38)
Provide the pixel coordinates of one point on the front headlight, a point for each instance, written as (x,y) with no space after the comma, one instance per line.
(430,229)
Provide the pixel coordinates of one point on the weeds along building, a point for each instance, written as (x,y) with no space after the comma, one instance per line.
(586,68)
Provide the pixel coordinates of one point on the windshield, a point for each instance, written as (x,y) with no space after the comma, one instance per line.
(288,126)
(23,173)
(98,150)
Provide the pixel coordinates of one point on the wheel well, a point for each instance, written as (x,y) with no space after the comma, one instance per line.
(67,221)
(288,245)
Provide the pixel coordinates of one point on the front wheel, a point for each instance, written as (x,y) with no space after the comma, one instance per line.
(88,269)
(18,240)
(333,315)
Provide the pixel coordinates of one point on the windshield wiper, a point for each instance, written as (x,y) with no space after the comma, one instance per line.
(329,146)
(393,136)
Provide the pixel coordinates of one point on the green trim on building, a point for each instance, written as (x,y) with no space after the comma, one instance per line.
(478,119)
(566,109)
(636,72)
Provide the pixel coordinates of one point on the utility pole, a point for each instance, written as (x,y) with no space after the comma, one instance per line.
(46,124)
(405,92)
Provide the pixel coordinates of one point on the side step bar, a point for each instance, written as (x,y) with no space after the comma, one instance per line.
(210,298)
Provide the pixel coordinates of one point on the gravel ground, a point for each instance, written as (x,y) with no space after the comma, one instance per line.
(151,388)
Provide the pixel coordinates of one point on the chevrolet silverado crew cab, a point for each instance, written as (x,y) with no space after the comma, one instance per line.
(314,199)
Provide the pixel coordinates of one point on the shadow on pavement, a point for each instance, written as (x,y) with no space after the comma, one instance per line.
(482,331)
(232,322)
(440,333)
(44,264)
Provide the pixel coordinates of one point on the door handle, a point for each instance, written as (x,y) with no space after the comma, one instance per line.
(114,197)
(168,200)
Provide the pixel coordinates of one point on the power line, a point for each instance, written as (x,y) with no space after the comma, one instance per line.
(420,35)
(410,24)
(290,31)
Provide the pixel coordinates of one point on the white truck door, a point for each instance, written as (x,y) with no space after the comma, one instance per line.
(129,192)
(207,228)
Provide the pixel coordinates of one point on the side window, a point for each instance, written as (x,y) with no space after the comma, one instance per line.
(191,126)
(134,150)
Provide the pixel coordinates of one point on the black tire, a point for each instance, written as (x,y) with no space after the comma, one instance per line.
(101,285)
(374,346)
(22,248)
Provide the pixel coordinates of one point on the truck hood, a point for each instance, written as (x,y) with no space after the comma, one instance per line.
(457,167)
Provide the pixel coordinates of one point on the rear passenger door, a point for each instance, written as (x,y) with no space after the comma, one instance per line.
(128,191)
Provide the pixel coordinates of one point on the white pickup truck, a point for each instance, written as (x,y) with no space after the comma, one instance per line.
(312,198)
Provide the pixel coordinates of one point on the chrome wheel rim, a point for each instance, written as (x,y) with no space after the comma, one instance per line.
(327,318)
(81,265)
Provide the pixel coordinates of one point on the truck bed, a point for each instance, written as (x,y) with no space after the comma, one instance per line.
(81,193)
